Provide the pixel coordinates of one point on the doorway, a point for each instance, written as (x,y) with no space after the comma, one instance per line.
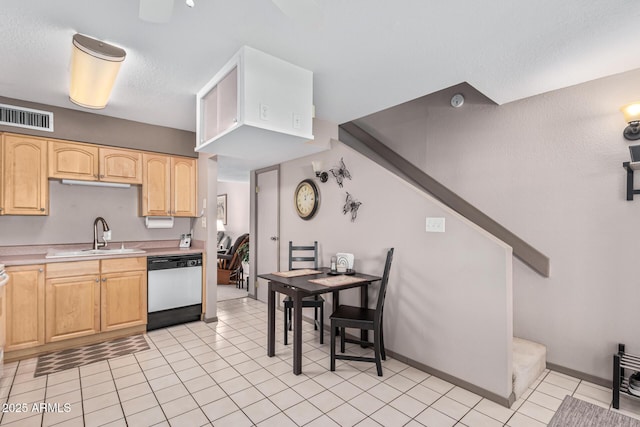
(267,232)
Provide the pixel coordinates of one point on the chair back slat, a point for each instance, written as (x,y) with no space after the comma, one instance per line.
(383,284)
(307,258)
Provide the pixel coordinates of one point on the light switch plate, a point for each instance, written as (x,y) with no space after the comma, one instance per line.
(435,225)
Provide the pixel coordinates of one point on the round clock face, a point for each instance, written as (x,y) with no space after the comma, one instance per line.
(306,199)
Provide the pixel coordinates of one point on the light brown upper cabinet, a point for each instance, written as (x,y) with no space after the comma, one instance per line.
(70,160)
(117,165)
(169,186)
(24,186)
(184,188)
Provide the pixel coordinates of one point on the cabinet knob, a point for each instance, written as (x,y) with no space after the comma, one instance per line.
(104,279)
(40,270)
(97,280)
(41,209)
(101,176)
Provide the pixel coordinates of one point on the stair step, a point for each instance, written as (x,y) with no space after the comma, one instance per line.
(529,361)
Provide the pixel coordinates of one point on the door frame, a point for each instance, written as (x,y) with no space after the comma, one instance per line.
(253,225)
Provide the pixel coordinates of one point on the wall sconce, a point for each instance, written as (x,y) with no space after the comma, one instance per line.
(94,67)
(632,116)
(317,168)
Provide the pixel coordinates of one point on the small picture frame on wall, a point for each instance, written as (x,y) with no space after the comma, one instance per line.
(222,208)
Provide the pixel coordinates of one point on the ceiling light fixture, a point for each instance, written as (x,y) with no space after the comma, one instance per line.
(94,67)
(190,3)
(632,116)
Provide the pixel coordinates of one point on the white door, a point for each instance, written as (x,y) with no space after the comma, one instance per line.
(267,243)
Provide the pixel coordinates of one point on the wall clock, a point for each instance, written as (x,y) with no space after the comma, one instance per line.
(306,199)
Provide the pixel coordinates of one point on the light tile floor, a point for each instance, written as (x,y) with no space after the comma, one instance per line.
(218,374)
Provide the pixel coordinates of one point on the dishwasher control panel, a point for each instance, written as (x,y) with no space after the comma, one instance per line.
(173,261)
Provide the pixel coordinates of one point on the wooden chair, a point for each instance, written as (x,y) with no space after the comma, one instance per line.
(316,302)
(230,264)
(346,316)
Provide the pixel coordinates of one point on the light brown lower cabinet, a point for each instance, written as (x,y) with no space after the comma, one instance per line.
(87,297)
(25,307)
(73,307)
(124,293)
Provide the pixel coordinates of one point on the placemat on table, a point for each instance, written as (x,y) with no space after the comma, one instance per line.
(296,273)
(338,280)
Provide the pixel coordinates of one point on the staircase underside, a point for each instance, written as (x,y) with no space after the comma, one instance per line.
(360,140)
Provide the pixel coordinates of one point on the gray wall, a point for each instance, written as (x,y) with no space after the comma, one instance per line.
(73,209)
(449,302)
(237,207)
(82,126)
(549,168)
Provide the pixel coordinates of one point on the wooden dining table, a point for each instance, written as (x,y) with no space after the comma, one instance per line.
(299,284)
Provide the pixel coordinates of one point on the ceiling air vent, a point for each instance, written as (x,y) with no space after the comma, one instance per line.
(21,117)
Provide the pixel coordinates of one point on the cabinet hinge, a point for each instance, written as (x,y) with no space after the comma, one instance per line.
(257,189)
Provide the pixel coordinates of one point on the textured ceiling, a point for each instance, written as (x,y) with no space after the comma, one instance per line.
(366,55)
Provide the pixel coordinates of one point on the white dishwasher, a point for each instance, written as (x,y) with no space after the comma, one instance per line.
(174,290)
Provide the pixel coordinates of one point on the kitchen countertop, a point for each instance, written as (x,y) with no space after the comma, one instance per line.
(36,254)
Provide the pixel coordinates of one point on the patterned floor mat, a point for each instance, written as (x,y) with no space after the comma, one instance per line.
(74,357)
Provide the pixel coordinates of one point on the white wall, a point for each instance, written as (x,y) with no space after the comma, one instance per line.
(73,209)
(237,207)
(449,298)
(549,168)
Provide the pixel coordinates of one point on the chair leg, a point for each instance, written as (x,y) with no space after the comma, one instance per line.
(286,326)
(382,353)
(341,340)
(315,318)
(322,324)
(376,348)
(333,347)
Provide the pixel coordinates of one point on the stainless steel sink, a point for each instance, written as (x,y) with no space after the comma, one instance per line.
(92,252)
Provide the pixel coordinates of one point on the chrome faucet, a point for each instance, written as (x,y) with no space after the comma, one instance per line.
(105,230)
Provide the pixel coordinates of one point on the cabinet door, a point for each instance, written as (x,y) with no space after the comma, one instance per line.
(69,160)
(24,180)
(120,166)
(184,188)
(219,107)
(123,300)
(72,307)
(156,185)
(25,307)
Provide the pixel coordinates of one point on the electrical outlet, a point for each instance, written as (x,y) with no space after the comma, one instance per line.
(297,121)
(204,222)
(435,225)
(264,112)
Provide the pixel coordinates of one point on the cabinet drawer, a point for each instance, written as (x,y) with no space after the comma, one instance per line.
(75,268)
(123,264)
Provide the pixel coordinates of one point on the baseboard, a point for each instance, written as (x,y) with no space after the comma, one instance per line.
(210,319)
(580,375)
(449,378)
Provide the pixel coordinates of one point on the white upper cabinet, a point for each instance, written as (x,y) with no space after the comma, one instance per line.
(258,108)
